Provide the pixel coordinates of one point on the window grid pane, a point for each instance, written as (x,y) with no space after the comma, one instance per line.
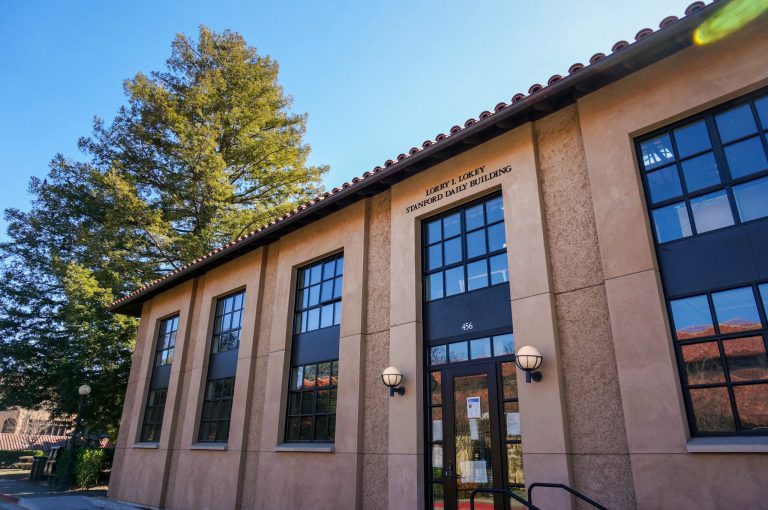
(318,295)
(701,175)
(217,409)
(153,416)
(720,335)
(721,343)
(467,252)
(226,326)
(312,402)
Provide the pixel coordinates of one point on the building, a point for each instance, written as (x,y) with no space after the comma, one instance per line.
(616,220)
(29,429)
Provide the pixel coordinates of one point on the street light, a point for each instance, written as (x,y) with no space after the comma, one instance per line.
(66,480)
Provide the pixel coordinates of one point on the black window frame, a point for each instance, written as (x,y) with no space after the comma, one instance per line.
(302,356)
(296,395)
(152,421)
(718,337)
(462,235)
(683,244)
(727,182)
(220,399)
(222,369)
(304,286)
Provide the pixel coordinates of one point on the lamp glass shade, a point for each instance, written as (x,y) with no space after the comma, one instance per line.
(84,390)
(392,377)
(528,358)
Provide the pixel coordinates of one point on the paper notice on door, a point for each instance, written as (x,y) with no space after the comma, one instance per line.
(513,424)
(473,407)
(474,429)
(437,430)
(474,471)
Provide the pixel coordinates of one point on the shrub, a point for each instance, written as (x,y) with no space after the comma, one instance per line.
(88,465)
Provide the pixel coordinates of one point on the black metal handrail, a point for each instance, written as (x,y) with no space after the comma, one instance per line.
(565,487)
(499,491)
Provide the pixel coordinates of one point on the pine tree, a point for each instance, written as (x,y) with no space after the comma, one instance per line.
(203,152)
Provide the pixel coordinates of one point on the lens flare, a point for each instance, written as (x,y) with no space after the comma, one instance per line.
(730,18)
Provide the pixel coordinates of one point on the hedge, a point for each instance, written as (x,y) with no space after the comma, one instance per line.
(9,457)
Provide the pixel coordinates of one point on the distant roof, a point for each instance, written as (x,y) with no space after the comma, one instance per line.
(43,442)
(649,46)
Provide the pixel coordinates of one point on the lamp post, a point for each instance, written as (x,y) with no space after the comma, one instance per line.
(66,479)
(84,391)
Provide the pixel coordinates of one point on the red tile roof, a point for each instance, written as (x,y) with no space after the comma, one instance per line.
(35,442)
(486,120)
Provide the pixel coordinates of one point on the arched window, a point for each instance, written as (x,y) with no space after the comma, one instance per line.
(9,426)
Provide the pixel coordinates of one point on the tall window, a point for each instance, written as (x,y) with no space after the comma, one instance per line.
(158,386)
(220,386)
(311,412)
(709,174)
(465,249)
(318,297)
(721,339)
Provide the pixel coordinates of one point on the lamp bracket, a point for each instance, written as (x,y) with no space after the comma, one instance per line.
(400,390)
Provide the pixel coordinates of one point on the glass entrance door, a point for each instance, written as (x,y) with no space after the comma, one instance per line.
(471,437)
(474,435)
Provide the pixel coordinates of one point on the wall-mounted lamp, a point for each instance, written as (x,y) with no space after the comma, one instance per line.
(392,379)
(529,358)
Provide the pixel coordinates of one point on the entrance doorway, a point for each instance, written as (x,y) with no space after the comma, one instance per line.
(474,440)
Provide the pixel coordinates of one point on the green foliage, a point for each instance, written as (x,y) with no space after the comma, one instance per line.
(8,457)
(203,152)
(88,465)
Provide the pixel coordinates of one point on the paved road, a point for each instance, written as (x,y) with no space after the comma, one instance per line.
(17,493)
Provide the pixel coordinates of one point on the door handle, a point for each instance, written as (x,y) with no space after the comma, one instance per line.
(449,472)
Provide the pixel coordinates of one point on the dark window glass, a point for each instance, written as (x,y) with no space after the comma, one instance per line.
(762,111)
(657,152)
(155,406)
(692,138)
(706,174)
(499,271)
(726,361)
(319,291)
(752,199)
(226,332)
(454,281)
(672,222)
(477,348)
(664,184)
(470,252)
(166,341)
(217,409)
(751,405)
(711,211)
(458,352)
(153,415)
(312,402)
(746,157)
(735,123)
(702,363)
(699,172)
(692,318)
(736,310)
(480,348)
(477,274)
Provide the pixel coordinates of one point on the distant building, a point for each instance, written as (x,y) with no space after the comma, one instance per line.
(616,220)
(27,429)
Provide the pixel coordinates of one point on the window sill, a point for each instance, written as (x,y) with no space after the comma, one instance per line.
(148,446)
(305,447)
(209,446)
(750,444)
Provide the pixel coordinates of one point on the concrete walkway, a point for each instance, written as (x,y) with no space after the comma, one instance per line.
(18,493)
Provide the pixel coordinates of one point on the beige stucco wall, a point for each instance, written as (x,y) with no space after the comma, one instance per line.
(607,418)
(665,475)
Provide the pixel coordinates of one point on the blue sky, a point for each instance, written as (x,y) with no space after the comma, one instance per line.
(376,78)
